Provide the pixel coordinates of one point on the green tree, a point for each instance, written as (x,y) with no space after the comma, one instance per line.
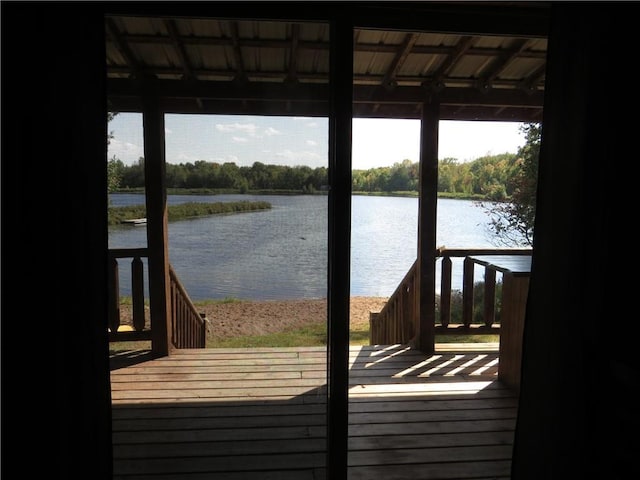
(403,177)
(110,116)
(133,175)
(447,170)
(114,166)
(513,220)
(114,174)
(176,175)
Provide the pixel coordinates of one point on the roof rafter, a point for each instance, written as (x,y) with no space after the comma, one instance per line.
(179,47)
(241,74)
(531,82)
(500,63)
(461,48)
(129,57)
(401,56)
(292,75)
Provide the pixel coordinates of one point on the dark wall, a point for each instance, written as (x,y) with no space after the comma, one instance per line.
(580,380)
(578,416)
(55,373)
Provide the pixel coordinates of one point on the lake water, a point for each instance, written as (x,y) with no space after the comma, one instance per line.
(281,253)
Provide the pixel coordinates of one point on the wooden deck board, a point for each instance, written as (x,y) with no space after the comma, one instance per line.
(261,413)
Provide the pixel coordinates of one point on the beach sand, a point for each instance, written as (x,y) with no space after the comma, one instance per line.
(263,317)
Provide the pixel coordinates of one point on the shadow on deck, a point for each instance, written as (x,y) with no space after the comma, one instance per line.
(261,413)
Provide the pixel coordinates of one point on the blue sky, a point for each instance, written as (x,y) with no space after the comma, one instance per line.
(303,141)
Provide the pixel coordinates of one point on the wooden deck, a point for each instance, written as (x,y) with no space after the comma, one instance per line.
(229,414)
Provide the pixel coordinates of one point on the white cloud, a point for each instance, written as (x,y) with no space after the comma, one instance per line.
(288,154)
(225,159)
(269,132)
(126,151)
(246,128)
(185,158)
(305,157)
(239,139)
(311,143)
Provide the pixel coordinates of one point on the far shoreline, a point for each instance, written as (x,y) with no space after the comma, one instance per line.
(211,191)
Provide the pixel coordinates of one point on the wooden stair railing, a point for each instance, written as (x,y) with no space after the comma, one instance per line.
(188,326)
(397,322)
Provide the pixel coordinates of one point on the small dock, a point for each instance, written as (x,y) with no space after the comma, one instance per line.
(135,221)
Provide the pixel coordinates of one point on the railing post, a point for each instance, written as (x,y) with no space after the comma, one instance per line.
(203,331)
(467,292)
(445,292)
(174,313)
(405,316)
(489,296)
(373,328)
(137,293)
(113,295)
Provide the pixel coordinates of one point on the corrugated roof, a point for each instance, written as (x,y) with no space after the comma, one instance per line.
(222,65)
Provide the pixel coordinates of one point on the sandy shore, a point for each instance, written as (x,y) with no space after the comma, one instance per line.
(262,317)
(258,318)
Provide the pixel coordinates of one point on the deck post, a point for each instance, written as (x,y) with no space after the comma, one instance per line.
(427,203)
(157,235)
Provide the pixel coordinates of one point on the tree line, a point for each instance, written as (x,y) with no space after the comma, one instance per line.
(490,177)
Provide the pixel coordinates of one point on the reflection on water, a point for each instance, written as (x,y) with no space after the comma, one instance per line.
(282,253)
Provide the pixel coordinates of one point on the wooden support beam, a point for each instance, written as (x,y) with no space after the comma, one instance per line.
(427,204)
(340,119)
(157,235)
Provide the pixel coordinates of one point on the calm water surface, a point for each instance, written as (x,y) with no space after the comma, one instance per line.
(282,253)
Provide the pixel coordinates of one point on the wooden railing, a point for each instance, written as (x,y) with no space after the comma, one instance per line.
(397,321)
(398,318)
(188,327)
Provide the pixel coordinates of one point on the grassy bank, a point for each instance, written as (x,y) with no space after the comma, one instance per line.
(117,215)
(308,336)
(237,323)
(316,336)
